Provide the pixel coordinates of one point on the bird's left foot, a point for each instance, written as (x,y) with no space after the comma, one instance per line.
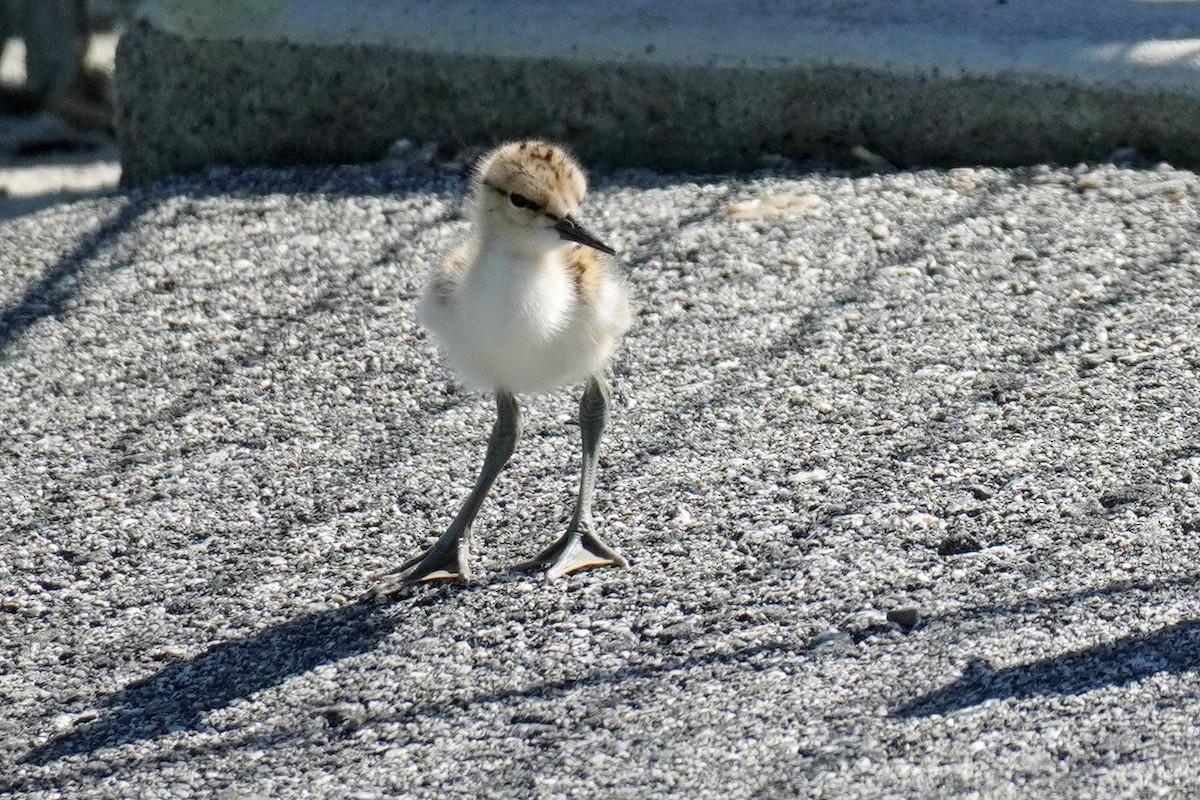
(575,550)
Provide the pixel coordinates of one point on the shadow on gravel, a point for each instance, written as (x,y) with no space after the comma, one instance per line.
(48,295)
(177,697)
(1067,599)
(616,679)
(1173,649)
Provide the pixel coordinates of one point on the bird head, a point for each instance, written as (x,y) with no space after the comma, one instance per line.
(528,195)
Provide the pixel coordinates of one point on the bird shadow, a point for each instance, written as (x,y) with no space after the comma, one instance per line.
(1173,649)
(178,696)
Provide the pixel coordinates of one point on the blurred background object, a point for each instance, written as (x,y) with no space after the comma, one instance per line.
(57,101)
(66,50)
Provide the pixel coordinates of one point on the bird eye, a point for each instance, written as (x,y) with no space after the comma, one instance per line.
(521,201)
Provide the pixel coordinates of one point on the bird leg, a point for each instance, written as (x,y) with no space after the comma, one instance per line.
(447,559)
(580,547)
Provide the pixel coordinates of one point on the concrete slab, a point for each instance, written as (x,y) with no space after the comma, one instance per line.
(702,85)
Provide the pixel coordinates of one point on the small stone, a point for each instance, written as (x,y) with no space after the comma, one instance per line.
(828,637)
(1175,188)
(922,521)
(879,232)
(1120,744)
(345,716)
(980,492)
(809,476)
(773,206)
(999,387)
(66,721)
(680,630)
(907,618)
(1126,495)
(871,159)
(958,543)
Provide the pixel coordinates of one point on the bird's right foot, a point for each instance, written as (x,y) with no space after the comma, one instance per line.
(447,560)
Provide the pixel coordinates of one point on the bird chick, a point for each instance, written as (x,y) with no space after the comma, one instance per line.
(528,304)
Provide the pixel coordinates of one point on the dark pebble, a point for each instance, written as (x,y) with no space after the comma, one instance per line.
(958,543)
(907,618)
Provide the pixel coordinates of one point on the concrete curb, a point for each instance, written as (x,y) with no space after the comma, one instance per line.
(702,88)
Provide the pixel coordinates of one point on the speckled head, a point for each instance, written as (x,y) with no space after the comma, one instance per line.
(540,172)
(527,194)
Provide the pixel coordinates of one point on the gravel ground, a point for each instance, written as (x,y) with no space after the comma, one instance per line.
(906,467)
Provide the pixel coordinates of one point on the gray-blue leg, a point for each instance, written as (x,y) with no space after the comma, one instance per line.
(580,547)
(447,559)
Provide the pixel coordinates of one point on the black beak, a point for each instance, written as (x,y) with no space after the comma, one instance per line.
(572,231)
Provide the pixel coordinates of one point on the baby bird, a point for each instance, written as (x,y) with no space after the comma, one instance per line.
(527,305)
